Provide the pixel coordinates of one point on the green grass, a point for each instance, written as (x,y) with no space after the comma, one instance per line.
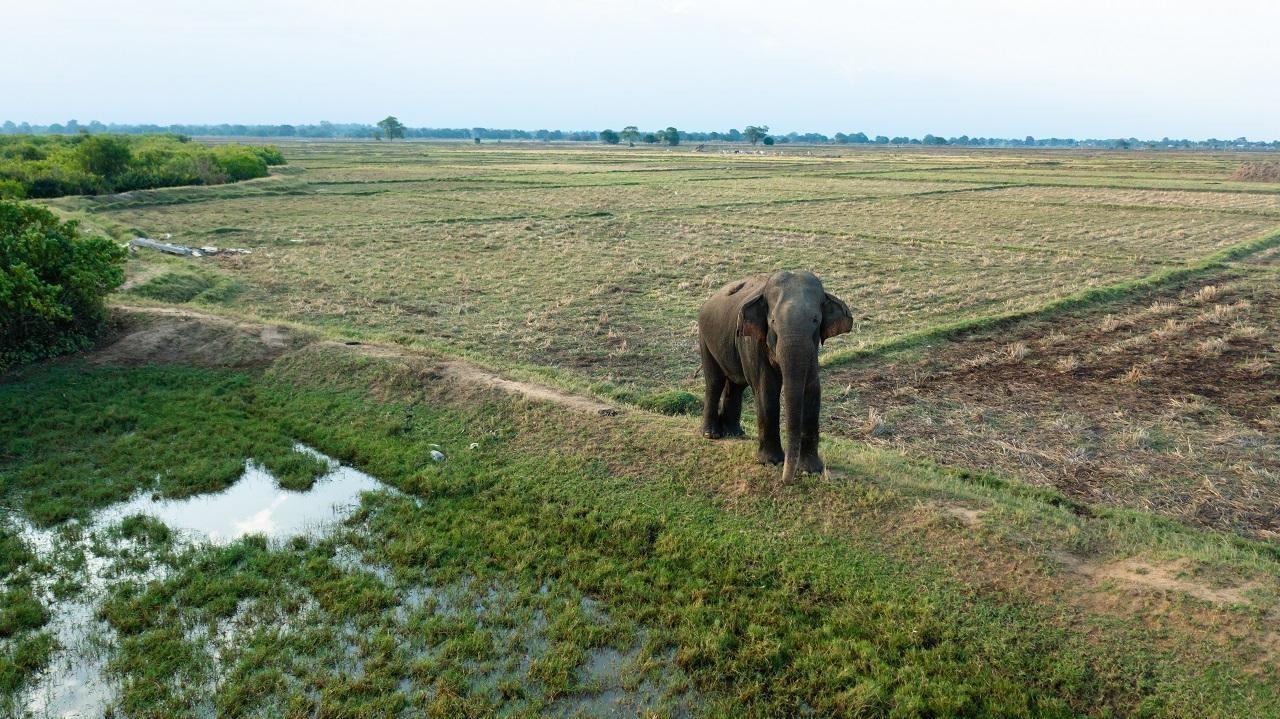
(114,433)
(179,287)
(559,536)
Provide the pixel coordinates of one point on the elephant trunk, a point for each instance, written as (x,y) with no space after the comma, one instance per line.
(798,362)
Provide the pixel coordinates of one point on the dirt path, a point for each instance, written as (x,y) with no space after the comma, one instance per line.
(150,335)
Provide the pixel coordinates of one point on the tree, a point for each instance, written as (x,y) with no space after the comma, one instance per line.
(859,138)
(650,138)
(768,140)
(52,281)
(105,156)
(609,137)
(391,127)
(755,134)
(630,134)
(671,136)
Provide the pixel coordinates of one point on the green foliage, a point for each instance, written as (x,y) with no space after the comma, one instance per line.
(52,281)
(52,166)
(609,137)
(755,133)
(768,140)
(671,136)
(391,127)
(105,156)
(671,402)
(270,154)
(239,162)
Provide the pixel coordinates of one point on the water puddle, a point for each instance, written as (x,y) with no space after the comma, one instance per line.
(254,505)
(74,684)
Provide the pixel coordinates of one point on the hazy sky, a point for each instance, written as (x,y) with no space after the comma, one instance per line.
(1086,68)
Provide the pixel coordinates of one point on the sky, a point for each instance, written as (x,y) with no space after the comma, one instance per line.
(1004,68)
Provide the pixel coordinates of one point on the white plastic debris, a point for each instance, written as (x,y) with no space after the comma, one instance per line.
(474,445)
(437,455)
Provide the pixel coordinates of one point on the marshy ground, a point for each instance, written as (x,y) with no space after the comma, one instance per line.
(1051,437)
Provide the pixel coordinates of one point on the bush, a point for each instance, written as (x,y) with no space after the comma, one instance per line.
(52,166)
(239,162)
(270,154)
(52,281)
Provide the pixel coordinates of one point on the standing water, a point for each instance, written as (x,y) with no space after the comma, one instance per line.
(73,685)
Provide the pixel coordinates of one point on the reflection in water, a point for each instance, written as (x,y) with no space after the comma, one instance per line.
(254,505)
(74,684)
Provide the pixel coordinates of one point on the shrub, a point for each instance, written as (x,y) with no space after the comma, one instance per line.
(239,162)
(104,155)
(49,166)
(270,154)
(52,281)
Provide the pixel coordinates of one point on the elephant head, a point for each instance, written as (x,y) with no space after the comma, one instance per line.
(792,315)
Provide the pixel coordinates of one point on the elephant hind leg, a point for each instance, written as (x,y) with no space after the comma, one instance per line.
(716,381)
(731,410)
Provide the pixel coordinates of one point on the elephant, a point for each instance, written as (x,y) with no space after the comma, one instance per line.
(764,331)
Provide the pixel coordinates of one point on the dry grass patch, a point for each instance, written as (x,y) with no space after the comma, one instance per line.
(1257,172)
(1160,417)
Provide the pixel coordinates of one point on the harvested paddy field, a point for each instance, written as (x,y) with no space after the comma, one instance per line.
(1169,401)
(591,263)
(1051,443)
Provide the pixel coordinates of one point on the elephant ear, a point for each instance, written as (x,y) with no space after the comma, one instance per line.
(836,319)
(753,319)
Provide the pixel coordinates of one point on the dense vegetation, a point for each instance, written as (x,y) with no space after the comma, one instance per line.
(52,280)
(84,164)
(363,130)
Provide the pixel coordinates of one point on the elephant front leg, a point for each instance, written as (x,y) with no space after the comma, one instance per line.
(809,460)
(768,414)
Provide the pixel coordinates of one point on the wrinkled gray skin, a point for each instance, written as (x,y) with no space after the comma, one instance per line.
(765,331)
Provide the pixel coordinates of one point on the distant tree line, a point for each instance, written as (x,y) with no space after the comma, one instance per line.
(83,164)
(752,134)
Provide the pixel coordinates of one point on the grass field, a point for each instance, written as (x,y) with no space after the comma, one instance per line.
(1052,441)
(593,262)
